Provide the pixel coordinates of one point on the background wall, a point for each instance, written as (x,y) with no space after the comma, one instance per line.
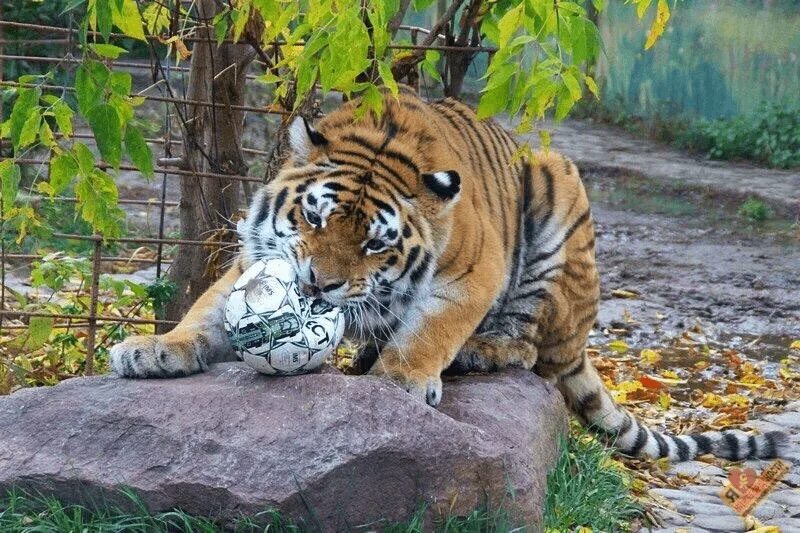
(718,58)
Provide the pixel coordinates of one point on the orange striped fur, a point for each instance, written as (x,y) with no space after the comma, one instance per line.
(445,251)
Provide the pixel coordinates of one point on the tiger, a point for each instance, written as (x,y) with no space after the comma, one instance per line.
(447,250)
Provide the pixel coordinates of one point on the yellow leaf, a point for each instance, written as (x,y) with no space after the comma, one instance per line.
(659,24)
(650,356)
(624,293)
(670,374)
(788,374)
(668,378)
(664,400)
(181,50)
(736,399)
(711,400)
(795,345)
(128,19)
(618,346)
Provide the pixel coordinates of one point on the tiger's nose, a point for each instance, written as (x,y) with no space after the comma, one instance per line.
(310,290)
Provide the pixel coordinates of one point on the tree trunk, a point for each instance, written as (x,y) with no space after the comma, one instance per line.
(212,141)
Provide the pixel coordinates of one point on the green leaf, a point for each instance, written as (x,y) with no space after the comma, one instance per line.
(544,139)
(30,128)
(509,24)
(39,329)
(385,70)
(97,199)
(572,85)
(90,83)
(221,27)
(63,168)
(138,151)
(128,19)
(27,100)
(46,138)
(107,50)
(592,86)
(10,175)
(63,115)
(120,83)
(102,10)
(156,18)
(107,130)
(85,159)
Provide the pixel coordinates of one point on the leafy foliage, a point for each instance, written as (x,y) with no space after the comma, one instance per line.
(754,209)
(48,351)
(771,136)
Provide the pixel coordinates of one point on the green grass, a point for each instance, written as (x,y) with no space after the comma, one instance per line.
(584,489)
(754,209)
(587,489)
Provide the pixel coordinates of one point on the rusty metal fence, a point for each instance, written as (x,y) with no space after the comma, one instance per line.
(160,70)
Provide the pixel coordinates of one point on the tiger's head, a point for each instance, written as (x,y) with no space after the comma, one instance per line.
(361,209)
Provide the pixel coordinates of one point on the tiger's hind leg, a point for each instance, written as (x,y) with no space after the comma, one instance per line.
(501,341)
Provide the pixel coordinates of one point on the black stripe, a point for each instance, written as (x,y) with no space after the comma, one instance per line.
(752,444)
(263,211)
(663,448)
(381,204)
(338,187)
(544,255)
(626,425)
(732,444)
(403,158)
(684,453)
(280,199)
(420,271)
(703,444)
(588,401)
(550,194)
(577,370)
(539,293)
(523,317)
(412,257)
(771,447)
(641,440)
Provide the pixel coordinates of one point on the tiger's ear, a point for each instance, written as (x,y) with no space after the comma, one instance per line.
(446,185)
(303,137)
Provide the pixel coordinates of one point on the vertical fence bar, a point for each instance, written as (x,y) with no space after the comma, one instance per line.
(95,289)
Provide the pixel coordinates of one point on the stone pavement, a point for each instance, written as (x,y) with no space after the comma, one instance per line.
(698,508)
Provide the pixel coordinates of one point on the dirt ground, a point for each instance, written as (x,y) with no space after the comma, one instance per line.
(690,260)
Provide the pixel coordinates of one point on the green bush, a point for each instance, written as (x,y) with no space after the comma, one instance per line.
(754,210)
(770,136)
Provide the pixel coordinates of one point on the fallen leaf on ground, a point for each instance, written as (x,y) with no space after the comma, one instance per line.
(624,293)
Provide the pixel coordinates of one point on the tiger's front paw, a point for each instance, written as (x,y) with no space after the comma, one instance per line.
(156,356)
(420,385)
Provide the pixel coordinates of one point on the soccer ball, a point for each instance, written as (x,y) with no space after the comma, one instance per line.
(274,328)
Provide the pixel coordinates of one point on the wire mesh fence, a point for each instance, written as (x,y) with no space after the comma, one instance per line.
(161,82)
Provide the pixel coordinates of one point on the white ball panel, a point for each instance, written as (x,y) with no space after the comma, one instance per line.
(273,327)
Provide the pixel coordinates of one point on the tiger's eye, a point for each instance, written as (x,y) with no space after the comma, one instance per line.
(375,245)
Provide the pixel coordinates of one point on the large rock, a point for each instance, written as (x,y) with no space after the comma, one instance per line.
(327,449)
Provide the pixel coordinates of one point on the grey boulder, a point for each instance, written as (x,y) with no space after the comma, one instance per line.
(331,451)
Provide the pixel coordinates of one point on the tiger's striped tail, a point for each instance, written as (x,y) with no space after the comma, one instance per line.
(586,395)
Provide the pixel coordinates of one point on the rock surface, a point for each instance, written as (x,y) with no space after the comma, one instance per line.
(329,450)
